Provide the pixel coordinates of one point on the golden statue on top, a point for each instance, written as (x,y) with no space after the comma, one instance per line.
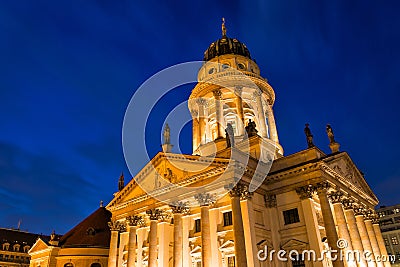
(223,27)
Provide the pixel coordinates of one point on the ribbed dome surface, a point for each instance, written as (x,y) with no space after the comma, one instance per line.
(224,46)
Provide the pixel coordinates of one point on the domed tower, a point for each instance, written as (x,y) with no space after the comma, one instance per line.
(231,91)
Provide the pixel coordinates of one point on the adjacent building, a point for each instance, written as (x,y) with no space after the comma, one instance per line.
(389,220)
(14,247)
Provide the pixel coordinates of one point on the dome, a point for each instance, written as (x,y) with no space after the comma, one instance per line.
(224,46)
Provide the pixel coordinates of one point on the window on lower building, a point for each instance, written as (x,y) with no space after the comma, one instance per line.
(95,264)
(198,264)
(299,262)
(69,264)
(291,216)
(231,261)
(395,241)
(386,241)
(197,226)
(227,218)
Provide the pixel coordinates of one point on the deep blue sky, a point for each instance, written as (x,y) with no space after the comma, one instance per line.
(69,68)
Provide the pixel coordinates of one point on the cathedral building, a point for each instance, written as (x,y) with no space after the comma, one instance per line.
(237,199)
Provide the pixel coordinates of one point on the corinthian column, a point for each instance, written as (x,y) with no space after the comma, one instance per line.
(239,109)
(329,222)
(219,112)
(154,215)
(177,210)
(205,200)
(236,192)
(372,237)
(379,238)
(336,198)
(132,222)
(260,113)
(112,256)
(359,213)
(354,233)
(273,133)
(305,194)
(201,102)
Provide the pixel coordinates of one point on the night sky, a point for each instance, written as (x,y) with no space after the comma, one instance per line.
(69,68)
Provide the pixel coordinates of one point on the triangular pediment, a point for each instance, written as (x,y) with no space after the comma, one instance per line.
(293,244)
(167,169)
(344,167)
(38,246)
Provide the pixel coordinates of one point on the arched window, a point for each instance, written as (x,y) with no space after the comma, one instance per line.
(95,264)
(69,264)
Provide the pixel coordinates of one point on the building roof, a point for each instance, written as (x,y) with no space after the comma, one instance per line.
(91,232)
(224,46)
(15,236)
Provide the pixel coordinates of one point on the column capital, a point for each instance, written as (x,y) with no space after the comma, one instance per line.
(359,210)
(323,187)
(239,190)
(194,112)
(306,191)
(178,207)
(201,101)
(257,93)
(238,90)
(157,215)
(348,204)
(134,220)
(204,199)
(217,94)
(270,200)
(335,196)
(116,226)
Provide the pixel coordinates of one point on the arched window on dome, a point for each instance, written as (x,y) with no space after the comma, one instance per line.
(68,264)
(95,264)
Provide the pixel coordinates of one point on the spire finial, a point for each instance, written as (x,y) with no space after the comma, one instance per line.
(166,146)
(223,27)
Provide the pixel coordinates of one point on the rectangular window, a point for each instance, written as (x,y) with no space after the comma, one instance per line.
(231,261)
(197,226)
(394,240)
(386,241)
(198,264)
(291,216)
(298,263)
(227,218)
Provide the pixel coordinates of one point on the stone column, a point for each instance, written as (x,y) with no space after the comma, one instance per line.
(359,213)
(272,214)
(154,215)
(305,194)
(236,192)
(112,256)
(336,198)
(261,115)
(329,222)
(379,238)
(205,200)
(132,222)
(177,210)
(201,102)
(372,238)
(239,109)
(186,259)
(273,133)
(195,129)
(354,233)
(219,113)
